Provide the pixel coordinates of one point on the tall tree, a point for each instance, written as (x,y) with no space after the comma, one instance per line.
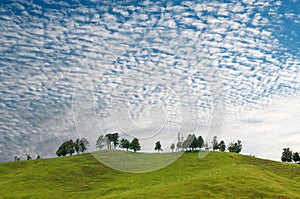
(235,147)
(108,140)
(101,141)
(135,145)
(172,147)
(125,144)
(200,142)
(287,155)
(222,146)
(77,145)
(187,143)
(296,157)
(115,139)
(215,143)
(194,143)
(83,145)
(157,146)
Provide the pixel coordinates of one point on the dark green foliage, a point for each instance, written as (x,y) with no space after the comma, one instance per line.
(222,146)
(101,141)
(215,143)
(235,147)
(83,145)
(190,142)
(67,147)
(287,155)
(296,157)
(135,145)
(125,144)
(115,139)
(200,142)
(112,139)
(172,147)
(77,143)
(157,146)
(194,144)
(108,138)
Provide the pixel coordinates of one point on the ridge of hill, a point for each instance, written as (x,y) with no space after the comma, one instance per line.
(218,175)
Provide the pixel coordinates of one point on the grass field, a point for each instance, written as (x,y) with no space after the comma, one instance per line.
(218,175)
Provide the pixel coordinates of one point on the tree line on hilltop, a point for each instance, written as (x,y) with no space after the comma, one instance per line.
(111,141)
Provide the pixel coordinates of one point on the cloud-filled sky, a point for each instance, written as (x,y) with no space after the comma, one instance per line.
(149,69)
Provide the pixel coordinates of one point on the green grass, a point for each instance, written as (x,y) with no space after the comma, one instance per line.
(218,175)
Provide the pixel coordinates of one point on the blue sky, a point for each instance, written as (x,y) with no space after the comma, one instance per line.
(149,69)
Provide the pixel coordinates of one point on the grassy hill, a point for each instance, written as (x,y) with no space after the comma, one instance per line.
(218,175)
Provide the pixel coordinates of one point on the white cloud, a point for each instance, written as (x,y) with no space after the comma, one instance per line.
(150,57)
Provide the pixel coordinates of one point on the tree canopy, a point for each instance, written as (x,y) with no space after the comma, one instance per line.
(235,147)
(287,155)
(157,146)
(222,146)
(101,141)
(135,145)
(125,144)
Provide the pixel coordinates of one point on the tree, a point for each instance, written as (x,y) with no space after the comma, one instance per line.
(101,141)
(189,142)
(112,139)
(61,151)
(135,145)
(185,144)
(235,147)
(296,157)
(108,140)
(194,143)
(77,145)
(115,139)
(215,143)
(200,142)
(157,146)
(125,144)
(179,146)
(287,155)
(70,146)
(222,146)
(172,147)
(83,145)
(67,147)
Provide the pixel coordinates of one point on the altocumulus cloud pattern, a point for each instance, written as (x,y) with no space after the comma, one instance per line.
(84,68)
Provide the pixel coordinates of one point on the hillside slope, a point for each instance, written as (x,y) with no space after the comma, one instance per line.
(219,175)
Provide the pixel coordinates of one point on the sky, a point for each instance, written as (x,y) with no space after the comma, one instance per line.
(151,70)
